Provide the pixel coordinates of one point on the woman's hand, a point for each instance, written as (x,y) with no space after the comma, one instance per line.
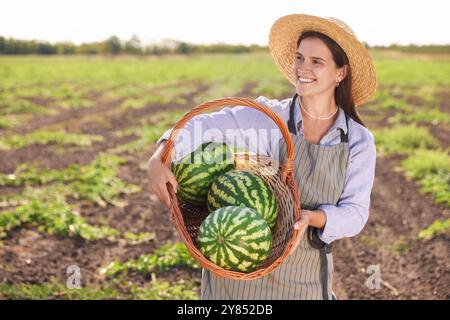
(314,218)
(303,223)
(159,174)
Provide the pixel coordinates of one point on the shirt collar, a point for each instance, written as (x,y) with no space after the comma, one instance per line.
(339,123)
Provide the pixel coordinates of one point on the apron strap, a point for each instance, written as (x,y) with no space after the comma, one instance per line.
(292,126)
(324,249)
(344,136)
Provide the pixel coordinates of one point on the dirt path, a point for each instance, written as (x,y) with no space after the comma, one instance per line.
(417,269)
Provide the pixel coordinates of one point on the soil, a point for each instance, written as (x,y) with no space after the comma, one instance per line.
(410,268)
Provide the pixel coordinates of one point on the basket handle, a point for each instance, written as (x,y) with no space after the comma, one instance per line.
(287,167)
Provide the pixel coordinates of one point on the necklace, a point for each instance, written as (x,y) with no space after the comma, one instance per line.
(314,117)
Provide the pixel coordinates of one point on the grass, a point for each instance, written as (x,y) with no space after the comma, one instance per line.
(75,103)
(96,181)
(50,213)
(172,94)
(66,91)
(13,105)
(431,168)
(399,246)
(424,95)
(8,122)
(149,132)
(138,103)
(129,90)
(68,82)
(54,290)
(403,139)
(45,137)
(413,72)
(138,238)
(223,86)
(46,207)
(164,290)
(407,98)
(436,228)
(433,116)
(47,210)
(155,290)
(164,258)
(425,162)
(97,73)
(392,104)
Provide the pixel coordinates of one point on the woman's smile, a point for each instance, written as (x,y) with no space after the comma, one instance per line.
(305,79)
(302,80)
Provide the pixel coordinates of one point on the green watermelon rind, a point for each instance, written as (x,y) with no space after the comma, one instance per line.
(243,187)
(195,176)
(247,238)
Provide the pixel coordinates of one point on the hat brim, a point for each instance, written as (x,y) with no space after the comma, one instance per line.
(282,46)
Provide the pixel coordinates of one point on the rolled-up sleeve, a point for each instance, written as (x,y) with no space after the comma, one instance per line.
(349,216)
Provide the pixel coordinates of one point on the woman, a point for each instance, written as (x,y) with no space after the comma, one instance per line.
(334,152)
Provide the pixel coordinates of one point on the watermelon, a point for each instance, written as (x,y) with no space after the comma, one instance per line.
(197,170)
(235,238)
(243,187)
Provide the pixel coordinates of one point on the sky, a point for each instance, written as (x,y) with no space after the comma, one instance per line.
(380,22)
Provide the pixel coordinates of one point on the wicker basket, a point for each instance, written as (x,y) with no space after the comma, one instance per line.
(188,218)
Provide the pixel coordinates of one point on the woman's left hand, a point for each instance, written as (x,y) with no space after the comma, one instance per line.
(302,225)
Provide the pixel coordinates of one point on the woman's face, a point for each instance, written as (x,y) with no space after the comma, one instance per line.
(315,69)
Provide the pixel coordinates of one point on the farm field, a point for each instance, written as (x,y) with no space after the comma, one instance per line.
(76,133)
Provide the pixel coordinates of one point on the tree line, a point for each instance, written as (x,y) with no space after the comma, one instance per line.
(114,46)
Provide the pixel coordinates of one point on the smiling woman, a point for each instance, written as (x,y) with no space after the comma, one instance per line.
(329,66)
(334,163)
(323,80)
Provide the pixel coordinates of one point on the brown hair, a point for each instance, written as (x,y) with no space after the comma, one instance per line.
(343,94)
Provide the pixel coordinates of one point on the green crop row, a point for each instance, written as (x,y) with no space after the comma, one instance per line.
(44,137)
(425,161)
(437,227)
(150,130)
(403,139)
(46,206)
(13,105)
(433,116)
(431,168)
(55,290)
(168,256)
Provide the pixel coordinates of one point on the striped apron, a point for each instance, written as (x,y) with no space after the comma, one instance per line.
(307,273)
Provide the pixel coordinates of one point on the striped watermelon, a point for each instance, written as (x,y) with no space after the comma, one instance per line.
(235,238)
(196,171)
(243,187)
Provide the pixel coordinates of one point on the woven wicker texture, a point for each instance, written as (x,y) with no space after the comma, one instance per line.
(279,177)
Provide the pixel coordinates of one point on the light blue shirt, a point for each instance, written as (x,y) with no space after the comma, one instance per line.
(248,128)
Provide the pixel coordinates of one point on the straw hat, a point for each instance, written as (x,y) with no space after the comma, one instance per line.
(283,40)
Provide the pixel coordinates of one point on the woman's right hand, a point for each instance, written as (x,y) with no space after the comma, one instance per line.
(159,174)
